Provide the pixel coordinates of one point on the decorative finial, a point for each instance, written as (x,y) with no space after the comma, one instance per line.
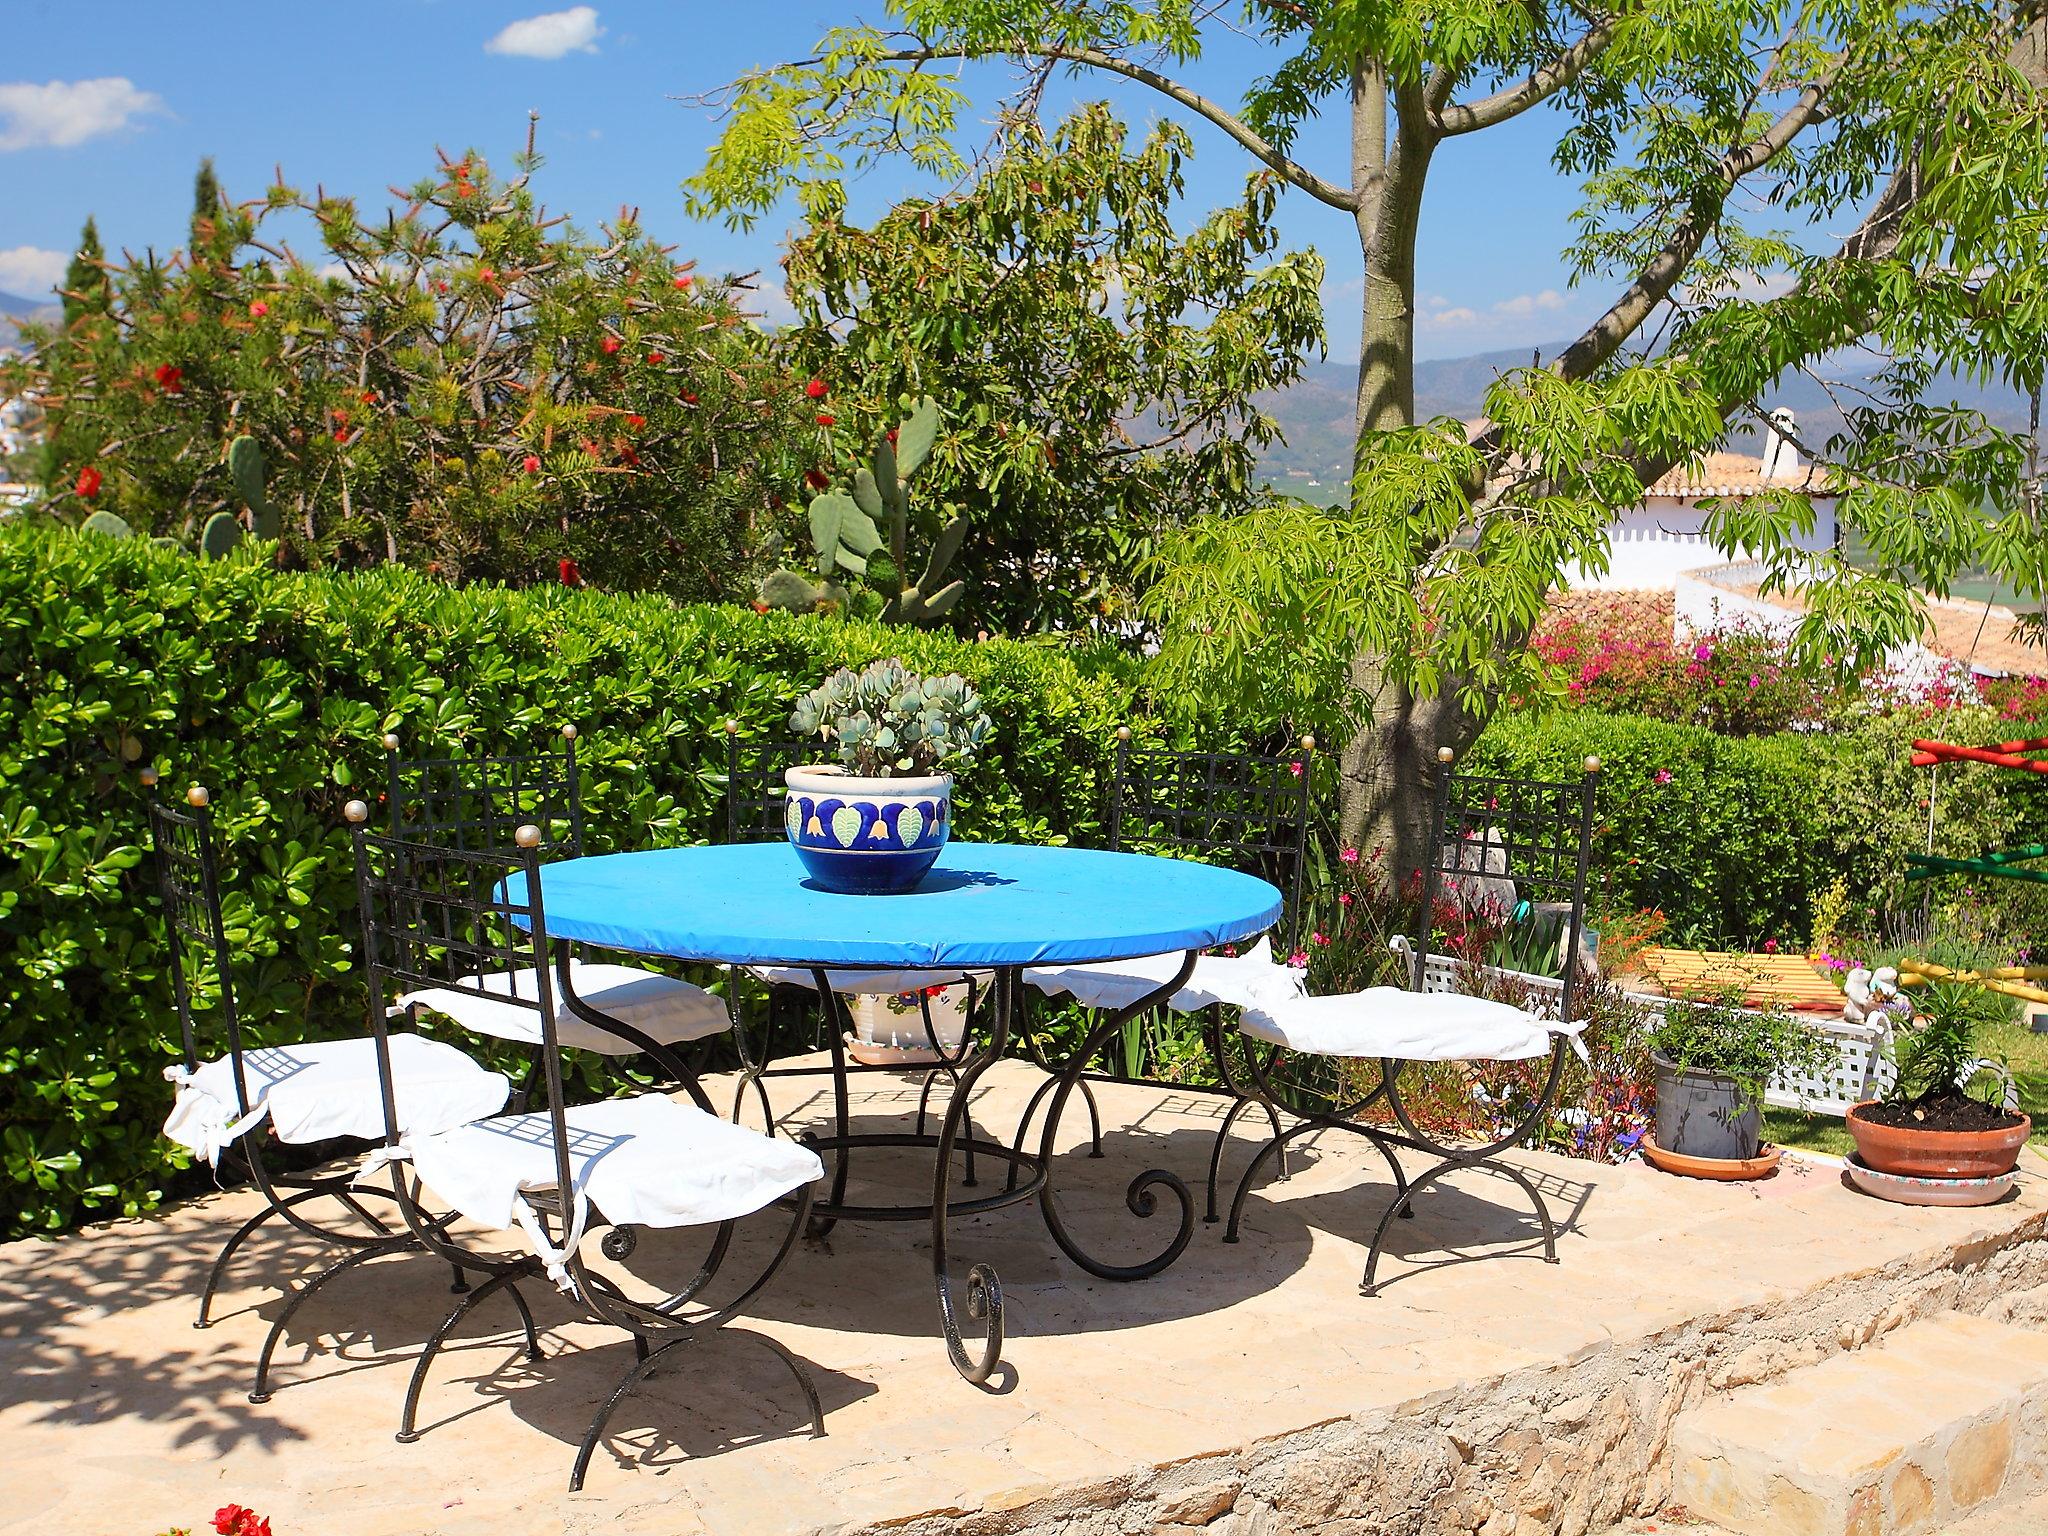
(732,727)
(527,836)
(1123,733)
(568,733)
(356,811)
(1308,743)
(1445,755)
(197,796)
(390,741)
(1592,764)
(148,777)
(981,635)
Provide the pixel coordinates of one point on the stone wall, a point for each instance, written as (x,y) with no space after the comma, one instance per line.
(1556,1450)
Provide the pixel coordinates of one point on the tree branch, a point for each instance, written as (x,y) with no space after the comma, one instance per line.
(1455,117)
(1289,170)
(1653,285)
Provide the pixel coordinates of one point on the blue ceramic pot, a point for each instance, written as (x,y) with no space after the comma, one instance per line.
(866,836)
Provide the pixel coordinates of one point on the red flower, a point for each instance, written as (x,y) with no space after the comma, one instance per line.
(239,1520)
(892,437)
(759,606)
(369,397)
(341,434)
(636,422)
(611,344)
(259,309)
(825,420)
(170,379)
(689,398)
(487,274)
(89,482)
(440,285)
(626,452)
(815,389)
(531,464)
(683,280)
(570,576)
(817,479)
(656,358)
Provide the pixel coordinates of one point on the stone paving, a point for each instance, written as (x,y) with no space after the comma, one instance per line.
(1250,1388)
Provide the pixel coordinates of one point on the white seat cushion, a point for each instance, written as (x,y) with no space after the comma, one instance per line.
(665,1010)
(1409,1026)
(644,1161)
(1243,981)
(865,983)
(329,1088)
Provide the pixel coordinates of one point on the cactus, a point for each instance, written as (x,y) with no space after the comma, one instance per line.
(246,468)
(107,523)
(887,720)
(223,531)
(847,531)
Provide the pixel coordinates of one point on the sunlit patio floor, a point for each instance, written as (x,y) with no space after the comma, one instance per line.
(116,1416)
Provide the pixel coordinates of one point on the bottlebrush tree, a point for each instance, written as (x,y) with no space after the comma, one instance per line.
(463,383)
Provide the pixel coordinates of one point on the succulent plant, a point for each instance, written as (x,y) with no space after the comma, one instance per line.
(108,524)
(246,468)
(888,721)
(846,531)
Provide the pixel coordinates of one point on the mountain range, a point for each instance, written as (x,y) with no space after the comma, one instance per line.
(1315,412)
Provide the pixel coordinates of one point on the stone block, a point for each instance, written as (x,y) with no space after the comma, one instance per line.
(1897,1439)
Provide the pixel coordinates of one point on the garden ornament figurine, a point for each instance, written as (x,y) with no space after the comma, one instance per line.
(1874,997)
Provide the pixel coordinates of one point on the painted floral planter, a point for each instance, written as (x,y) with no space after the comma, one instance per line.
(862,836)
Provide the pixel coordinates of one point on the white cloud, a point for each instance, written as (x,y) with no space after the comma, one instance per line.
(30,273)
(1447,319)
(550,35)
(1524,305)
(67,112)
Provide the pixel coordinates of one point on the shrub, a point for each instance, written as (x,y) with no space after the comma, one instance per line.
(1735,681)
(470,386)
(273,689)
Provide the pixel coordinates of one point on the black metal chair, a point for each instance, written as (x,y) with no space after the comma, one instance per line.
(1247,810)
(315,1092)
(1505,850)
(476,804)
(438,917)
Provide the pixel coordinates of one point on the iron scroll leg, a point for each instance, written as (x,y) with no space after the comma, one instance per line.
(1138,1197)
(984,1294)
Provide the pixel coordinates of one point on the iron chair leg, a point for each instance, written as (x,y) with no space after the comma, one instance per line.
(408,1418)
(260,1392)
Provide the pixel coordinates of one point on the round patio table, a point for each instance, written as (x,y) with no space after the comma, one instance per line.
(991,907)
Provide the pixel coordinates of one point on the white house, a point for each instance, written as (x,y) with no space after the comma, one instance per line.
(1662,537)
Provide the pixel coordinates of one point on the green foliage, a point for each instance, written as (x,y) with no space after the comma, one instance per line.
(483,391)
(1936,1050)
(274,689)
(1097,368)
(888,721)
(107,524)
(1750,1045)
(85,287)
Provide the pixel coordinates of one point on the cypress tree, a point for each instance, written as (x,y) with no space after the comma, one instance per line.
(206,197)
(85,280)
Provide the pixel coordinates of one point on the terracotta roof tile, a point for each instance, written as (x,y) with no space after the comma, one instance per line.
(1730,474)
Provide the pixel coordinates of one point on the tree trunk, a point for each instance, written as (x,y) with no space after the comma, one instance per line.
(1390,769)
(1387,789)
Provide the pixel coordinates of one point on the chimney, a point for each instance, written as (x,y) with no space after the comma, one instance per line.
(1781,459)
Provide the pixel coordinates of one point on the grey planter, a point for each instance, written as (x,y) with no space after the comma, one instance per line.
(1700,1114)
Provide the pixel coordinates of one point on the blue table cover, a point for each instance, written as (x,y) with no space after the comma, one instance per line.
(983,905)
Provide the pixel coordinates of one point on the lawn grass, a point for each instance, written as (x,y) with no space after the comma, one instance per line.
(2023,1051)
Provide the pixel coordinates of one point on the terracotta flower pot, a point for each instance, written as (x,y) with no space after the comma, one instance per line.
(1937,1154)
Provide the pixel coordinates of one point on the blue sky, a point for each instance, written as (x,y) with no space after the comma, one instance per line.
(106,108)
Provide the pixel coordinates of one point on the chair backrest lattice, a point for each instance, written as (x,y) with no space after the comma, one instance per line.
(459,919)
(188,879)
(1501,843)
(1247,810)
(754,790)
(479,803)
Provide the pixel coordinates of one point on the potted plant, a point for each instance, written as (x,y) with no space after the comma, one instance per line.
(1711,1060)
(875,821)
(1931,1140)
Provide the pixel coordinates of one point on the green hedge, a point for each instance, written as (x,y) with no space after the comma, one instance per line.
(274,690)
(1732,837)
